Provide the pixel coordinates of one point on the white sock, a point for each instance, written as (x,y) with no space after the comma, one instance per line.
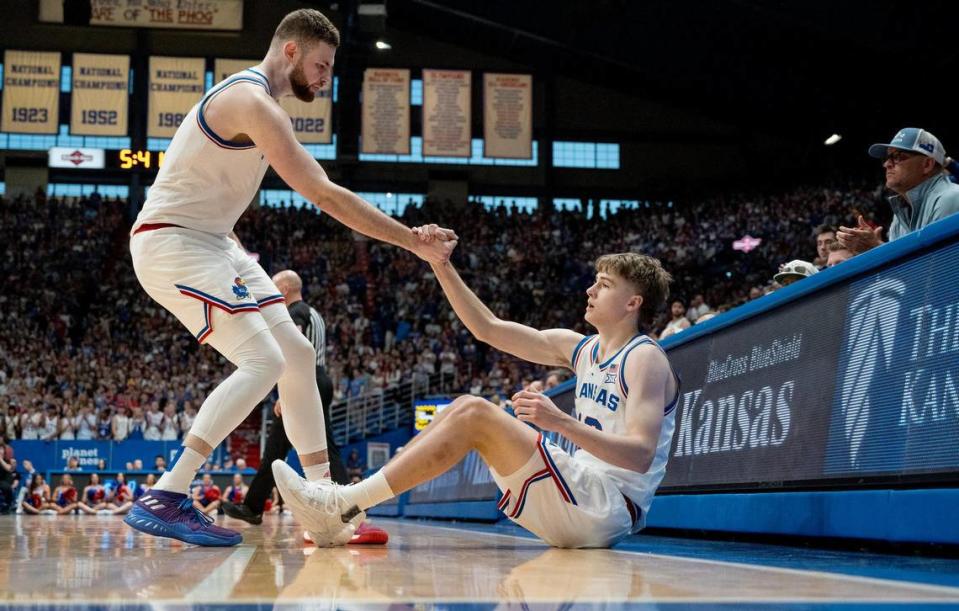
(371,491)
(317,472)
(179,477)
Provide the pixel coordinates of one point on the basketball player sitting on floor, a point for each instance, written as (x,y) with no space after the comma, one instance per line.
(626,393)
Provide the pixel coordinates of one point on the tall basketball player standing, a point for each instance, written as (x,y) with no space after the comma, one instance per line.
(185,259)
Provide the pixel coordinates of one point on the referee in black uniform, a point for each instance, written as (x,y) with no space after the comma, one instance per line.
(278,446)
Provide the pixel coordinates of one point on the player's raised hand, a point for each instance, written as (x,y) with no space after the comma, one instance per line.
(435,244)
(431,232)
(539,409)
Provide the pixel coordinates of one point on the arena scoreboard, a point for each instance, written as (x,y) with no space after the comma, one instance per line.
(426,410)
(135,160)
(127,160)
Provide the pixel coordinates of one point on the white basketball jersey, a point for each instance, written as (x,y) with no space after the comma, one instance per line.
(206,182)
(600,402)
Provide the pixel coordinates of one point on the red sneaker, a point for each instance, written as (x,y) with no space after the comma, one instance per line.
(364,535)
(369,535)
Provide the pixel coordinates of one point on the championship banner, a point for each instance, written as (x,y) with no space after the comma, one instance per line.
(223,68)
(311,120)
(176,84)
(98,106)
(446,113)
(508,116)
(386,111)
(31,92)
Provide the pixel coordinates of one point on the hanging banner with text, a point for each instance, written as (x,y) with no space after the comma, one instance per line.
(311,120)
(98,106)
(176,84)
(223,68)
(31,92)
(508,116)
(446,113)
(386,111)
(178,14)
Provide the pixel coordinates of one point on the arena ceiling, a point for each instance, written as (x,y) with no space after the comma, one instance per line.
(797,70)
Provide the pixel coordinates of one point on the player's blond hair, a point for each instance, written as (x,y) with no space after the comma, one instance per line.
(646,274)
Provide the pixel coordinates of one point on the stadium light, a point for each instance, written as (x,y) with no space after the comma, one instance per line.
(382,45)
(833,139)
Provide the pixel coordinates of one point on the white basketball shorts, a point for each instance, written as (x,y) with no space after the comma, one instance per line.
(565,502)
(208,282)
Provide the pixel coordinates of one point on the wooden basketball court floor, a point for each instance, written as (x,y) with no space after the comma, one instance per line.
(97,562)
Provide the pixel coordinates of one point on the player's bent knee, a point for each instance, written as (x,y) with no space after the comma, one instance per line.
(268,360)
(303,352)
(296,348)
(474,411)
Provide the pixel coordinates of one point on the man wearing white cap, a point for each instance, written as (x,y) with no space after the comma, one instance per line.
(914,163)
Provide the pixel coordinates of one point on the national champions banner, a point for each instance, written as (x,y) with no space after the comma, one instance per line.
(312,121)
(176,84)
(31,92)
(222,68)
(99,102)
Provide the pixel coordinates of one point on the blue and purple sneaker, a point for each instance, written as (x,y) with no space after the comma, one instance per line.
(171,514)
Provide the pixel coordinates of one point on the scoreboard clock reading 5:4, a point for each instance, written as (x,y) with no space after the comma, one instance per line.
(128,159)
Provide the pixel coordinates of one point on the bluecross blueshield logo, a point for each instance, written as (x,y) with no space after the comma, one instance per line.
(873,318)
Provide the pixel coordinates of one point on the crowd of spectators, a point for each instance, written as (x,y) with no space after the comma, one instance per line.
(88,355)
(24,489)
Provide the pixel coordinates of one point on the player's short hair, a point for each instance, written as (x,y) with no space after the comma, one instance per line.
(307,26)
(836,245)
(821,229)
(646,274)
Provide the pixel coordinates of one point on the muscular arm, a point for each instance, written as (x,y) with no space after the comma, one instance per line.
(250,111)
(550,347)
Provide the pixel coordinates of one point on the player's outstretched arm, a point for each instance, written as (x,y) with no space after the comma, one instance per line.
(265,122)
(549,347)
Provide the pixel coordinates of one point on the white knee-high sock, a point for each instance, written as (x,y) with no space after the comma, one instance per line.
(259,364)
(299,395)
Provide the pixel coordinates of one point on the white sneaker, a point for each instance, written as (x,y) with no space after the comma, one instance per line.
(318,507)
(342,538)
